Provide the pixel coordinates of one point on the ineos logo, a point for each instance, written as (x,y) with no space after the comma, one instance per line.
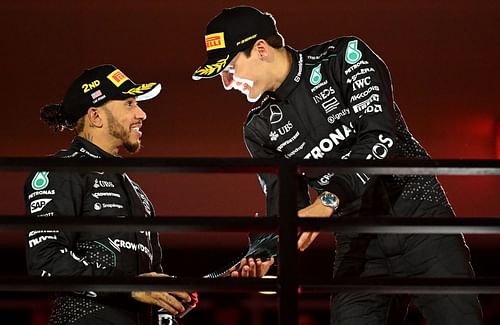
(276,114)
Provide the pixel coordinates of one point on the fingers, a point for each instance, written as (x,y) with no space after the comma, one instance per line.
(181,295)
(244,270)
(306,239)
(167,302)
(265,266)
(252,268)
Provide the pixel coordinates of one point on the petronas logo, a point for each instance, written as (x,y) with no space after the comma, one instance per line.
(316,75)
(352,54)
(40,181)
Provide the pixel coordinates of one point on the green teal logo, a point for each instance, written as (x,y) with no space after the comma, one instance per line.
(352,54)
(40,181)
(316,75)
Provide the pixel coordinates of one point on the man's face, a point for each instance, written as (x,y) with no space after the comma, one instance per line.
(124,119)
(243,74)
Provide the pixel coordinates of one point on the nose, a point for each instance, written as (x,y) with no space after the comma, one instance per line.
(227,79)
(140,114)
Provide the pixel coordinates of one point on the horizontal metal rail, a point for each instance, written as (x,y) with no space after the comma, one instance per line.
(406,285)
(244,165)
(369,285)
(485,225)
(160,224)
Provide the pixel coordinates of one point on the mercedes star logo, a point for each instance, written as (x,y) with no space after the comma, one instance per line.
(276,114)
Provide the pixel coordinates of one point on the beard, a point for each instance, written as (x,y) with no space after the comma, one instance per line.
(118,131)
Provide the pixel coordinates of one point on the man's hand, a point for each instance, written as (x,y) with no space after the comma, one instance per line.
(170,301)
(252,268)
(316,209)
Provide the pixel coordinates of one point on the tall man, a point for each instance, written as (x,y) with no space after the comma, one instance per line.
(101,106)
(334,101)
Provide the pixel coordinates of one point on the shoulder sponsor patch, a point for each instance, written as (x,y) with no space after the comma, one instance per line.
(38,205)
(40,181)
(315,75)
(352,54)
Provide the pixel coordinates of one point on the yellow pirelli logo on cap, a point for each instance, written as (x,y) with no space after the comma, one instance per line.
(215,41)
(117,77)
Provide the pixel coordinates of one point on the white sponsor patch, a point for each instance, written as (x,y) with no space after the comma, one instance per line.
(38,205)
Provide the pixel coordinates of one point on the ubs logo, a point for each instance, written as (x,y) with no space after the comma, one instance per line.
(276,114)
(100,183)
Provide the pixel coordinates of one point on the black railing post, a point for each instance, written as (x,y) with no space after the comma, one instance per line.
(287,268)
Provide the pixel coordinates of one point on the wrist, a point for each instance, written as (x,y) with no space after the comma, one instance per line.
(329,200)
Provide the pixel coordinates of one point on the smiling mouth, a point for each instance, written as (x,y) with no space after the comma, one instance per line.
(137,130)
(240,84)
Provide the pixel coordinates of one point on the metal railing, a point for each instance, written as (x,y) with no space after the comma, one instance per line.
(287,225)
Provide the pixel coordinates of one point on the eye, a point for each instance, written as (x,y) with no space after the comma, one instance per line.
(130,103)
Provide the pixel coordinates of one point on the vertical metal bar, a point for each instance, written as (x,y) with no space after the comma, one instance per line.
(287,268)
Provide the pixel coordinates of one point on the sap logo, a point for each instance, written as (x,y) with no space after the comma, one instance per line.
(325,179)
(380,149)
(88,87)
(328,144)
(38,205)
(361,83)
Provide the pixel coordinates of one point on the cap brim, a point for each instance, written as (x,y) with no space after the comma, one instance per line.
(150,94)
(213,67)
(143,92)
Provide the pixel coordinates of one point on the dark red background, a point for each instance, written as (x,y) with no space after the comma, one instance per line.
(444,57)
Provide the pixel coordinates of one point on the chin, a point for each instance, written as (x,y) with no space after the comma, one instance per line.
(250,98)
(133,147)
(253,99)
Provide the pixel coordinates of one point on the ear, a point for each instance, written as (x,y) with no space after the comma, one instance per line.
(94,117)
(262,48)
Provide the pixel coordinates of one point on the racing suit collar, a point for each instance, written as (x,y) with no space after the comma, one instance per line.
(293,78)
(83,145)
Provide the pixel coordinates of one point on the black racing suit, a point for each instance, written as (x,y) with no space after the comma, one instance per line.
(52,252)
(337,103)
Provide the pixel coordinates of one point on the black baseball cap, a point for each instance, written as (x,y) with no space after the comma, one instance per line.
(97,85)
(233,30)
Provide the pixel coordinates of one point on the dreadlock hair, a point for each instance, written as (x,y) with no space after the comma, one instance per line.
(52,115)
